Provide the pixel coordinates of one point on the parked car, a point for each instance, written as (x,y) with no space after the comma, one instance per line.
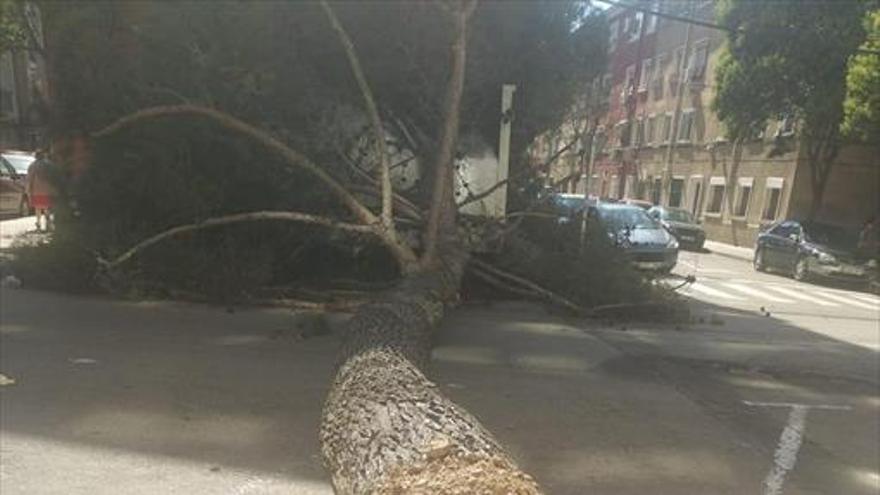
(13,176)
(809,250)
(641,203)
(645,241)
(680,223)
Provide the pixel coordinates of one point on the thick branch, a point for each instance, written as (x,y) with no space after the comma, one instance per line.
(224,119)
(404,255)
(372,112)
(290,216)
(442,203)
(537,289)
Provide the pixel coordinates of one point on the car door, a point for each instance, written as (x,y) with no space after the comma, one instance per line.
(774,244)
(9,189)
(789,246)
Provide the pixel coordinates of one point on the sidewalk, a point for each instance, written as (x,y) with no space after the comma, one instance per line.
(21,229)
(729,250)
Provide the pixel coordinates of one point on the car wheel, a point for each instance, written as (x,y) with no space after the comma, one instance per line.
(801,270)
(758,262)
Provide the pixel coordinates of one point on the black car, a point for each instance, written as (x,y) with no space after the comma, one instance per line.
(680,223)
(811,249)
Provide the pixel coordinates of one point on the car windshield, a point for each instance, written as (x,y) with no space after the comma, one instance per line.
(618,218)
(682,216)
(19,162)
(830,235)
(570,204)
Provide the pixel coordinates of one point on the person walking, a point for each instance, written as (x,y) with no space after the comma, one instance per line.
(40,190)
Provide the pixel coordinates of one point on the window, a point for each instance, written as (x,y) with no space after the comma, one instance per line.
(594,185)
(655,191)
(640,131)
(743,196)
(667,128)
(716,195)
(652,19)
(612,37)
(657,81)
(698,59)
(625,32)
(629,79)
(8,105)
(649,129)
(635,27)
(676,190)
(628,186)
(686,126)
(773,195)
(613,187)
(645,75)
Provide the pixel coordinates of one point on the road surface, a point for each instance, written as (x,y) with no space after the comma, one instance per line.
(144,398)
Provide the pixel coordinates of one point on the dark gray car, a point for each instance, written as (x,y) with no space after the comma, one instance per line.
(681,224)
(648,244)
(811,249)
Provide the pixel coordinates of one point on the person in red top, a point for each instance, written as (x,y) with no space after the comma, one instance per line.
(40,190)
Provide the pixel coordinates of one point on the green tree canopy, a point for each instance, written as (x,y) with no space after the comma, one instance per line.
(862,105)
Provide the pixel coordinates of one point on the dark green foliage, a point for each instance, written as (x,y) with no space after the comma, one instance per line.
(549,253)
(279,66)
(63,265)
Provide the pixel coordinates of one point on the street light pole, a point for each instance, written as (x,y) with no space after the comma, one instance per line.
(676,116)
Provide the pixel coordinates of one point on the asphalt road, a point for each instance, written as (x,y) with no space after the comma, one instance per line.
(117,397)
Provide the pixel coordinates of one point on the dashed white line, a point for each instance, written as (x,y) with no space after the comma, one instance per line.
(785,456)
(868,299)
(851,301)
(800,295)
(756,293)
(704,289)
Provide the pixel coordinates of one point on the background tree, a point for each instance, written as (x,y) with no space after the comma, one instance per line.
(862,105)
(789,58)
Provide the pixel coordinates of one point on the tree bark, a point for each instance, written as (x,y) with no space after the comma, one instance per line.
(386,428)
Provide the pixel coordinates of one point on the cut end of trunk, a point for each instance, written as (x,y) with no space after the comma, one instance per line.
(446,471)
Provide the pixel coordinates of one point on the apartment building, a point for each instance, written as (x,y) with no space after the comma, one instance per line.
(664,144)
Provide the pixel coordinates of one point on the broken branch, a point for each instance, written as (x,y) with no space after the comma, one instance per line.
(372,113)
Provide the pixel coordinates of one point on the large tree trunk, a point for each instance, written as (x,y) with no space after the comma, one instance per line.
(386,428)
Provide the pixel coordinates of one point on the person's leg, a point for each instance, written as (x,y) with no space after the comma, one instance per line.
(39,212)
(50,220)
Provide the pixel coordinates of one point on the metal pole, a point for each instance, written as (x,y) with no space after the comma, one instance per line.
(500,202)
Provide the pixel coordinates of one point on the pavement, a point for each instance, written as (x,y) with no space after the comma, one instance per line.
(119,397)
(18,230)
(729,250)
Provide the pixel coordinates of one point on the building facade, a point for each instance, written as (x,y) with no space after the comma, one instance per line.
(664,144)
(23,92)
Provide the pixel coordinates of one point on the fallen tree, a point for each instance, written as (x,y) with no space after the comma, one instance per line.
(385,427)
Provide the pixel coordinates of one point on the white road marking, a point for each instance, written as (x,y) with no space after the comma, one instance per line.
(785,456)
(867,298)
(851,301)
(696,286)
(756,293)
(795,404)
(800,295)
(790,441)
